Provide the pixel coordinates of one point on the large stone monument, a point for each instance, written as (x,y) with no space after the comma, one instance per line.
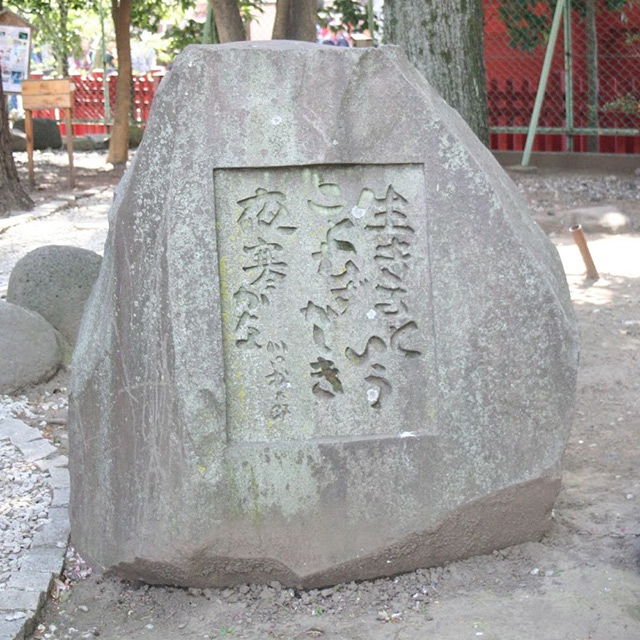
(327,341)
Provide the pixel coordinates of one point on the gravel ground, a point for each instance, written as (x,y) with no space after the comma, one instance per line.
(51,170)
(554,198)
(552,193)
(24,504)
(580,582)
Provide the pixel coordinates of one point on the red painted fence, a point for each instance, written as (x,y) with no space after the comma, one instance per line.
(88,112)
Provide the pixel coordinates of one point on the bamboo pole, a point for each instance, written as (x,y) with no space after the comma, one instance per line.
(542,85)
(580,240)
(568,74)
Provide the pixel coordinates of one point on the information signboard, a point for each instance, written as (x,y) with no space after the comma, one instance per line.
(15,45)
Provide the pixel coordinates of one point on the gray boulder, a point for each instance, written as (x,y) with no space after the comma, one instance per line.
(327,341)
(46,134)
(84,143)
(30,348)
(18,140)
(55,281)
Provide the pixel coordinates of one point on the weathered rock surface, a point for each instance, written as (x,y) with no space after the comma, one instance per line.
(29,347)
(46,134)
(55,281)
(327,341)
(18,140)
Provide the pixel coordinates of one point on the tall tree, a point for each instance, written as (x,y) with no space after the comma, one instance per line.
(444,40)
(12,196)
(295,20)
(226,14)
(142,14)
(119,140)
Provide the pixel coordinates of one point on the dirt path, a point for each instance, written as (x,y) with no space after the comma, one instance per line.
(582,581)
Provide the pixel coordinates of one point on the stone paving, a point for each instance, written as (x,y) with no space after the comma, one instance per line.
(78,219)
(26,590)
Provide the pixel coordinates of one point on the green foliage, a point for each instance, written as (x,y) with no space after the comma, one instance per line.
(249,9)
(146,15)
(609,5)
(345,15)
(57,22)
(61,25)
(191,32)
(627,104)
(179,36)
(528,22)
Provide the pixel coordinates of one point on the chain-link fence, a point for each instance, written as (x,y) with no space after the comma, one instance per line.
(90,114)
(592,96)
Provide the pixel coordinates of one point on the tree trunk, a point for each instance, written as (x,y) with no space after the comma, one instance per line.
(64,39)
(119,141)
(295,20)
(210,33)
(12,195)
(229,26)
(592,72)
(444,40)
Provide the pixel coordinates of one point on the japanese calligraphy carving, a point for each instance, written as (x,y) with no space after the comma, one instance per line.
(320,270)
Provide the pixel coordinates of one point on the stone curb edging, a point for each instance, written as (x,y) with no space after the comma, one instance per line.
(27,589)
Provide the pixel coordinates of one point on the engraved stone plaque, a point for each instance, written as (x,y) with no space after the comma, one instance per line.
(326,303)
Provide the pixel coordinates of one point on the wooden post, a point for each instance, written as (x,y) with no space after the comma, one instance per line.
(28,130)
(47,94)
(67,118)
(580,240)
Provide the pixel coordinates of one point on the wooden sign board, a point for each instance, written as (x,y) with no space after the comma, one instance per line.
(361,40)
(47,94)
